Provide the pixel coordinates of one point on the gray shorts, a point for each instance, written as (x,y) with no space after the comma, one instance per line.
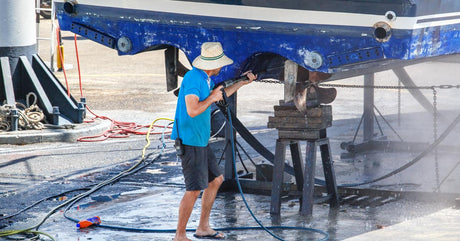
(199,166)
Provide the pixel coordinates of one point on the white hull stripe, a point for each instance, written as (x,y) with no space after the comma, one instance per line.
(277,14)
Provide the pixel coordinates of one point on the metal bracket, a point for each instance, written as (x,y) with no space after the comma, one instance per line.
(93,35)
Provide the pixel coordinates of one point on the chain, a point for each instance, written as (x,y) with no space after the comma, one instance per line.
(446,86)
(399,103)
(435,134)
(269,81)
(398,87)
(391,86)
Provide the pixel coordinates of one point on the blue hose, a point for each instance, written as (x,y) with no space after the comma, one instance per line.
(260,227)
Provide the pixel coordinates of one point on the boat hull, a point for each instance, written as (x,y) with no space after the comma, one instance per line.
(317,40)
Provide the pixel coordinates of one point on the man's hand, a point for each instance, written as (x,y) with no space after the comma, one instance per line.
(216,94)
(196,107)
(251,77)
(232,89)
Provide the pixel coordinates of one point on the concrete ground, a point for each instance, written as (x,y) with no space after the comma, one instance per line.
(442,225)
(132,88)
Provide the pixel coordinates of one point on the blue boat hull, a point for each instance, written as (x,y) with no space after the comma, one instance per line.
(316,46)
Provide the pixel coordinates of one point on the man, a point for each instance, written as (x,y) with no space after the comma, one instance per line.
(192,126)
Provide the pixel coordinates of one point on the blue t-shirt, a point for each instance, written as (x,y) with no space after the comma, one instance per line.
(197,130)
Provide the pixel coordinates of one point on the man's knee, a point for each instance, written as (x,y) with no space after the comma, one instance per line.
(217,181)
(193,194)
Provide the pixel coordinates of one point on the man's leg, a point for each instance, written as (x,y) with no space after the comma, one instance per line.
(185,210)
(207,200)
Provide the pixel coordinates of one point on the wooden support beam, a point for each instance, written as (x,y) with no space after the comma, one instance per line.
(306,207)
(278,173)
(290,79)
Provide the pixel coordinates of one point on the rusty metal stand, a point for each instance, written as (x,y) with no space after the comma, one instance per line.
(294,127)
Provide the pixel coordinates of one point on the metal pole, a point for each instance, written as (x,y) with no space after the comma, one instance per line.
(37,20)
(230,173)
(17,26)
(53,37)
(368,112)
(18,32)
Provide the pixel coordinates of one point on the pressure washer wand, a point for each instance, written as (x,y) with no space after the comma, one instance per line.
(226,84)
(233,81)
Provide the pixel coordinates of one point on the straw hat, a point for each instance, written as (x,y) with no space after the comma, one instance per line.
(212,57)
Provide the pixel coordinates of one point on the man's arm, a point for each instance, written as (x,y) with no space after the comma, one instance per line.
(196,107)
(232,89)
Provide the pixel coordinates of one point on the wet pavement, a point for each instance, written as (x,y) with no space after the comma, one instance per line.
(132,88)
(149,200)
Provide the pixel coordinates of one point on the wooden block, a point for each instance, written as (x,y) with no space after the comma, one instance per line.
(322,125)
(296,123)
(315,120)
(291,110)
(288,117)
(294,113)
(287,120)
(299,134)
(318,120)
(285,107)
(290,126)
(282,126)
(319,111)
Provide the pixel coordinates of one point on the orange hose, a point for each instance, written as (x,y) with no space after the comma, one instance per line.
(78,64)
(118,129)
